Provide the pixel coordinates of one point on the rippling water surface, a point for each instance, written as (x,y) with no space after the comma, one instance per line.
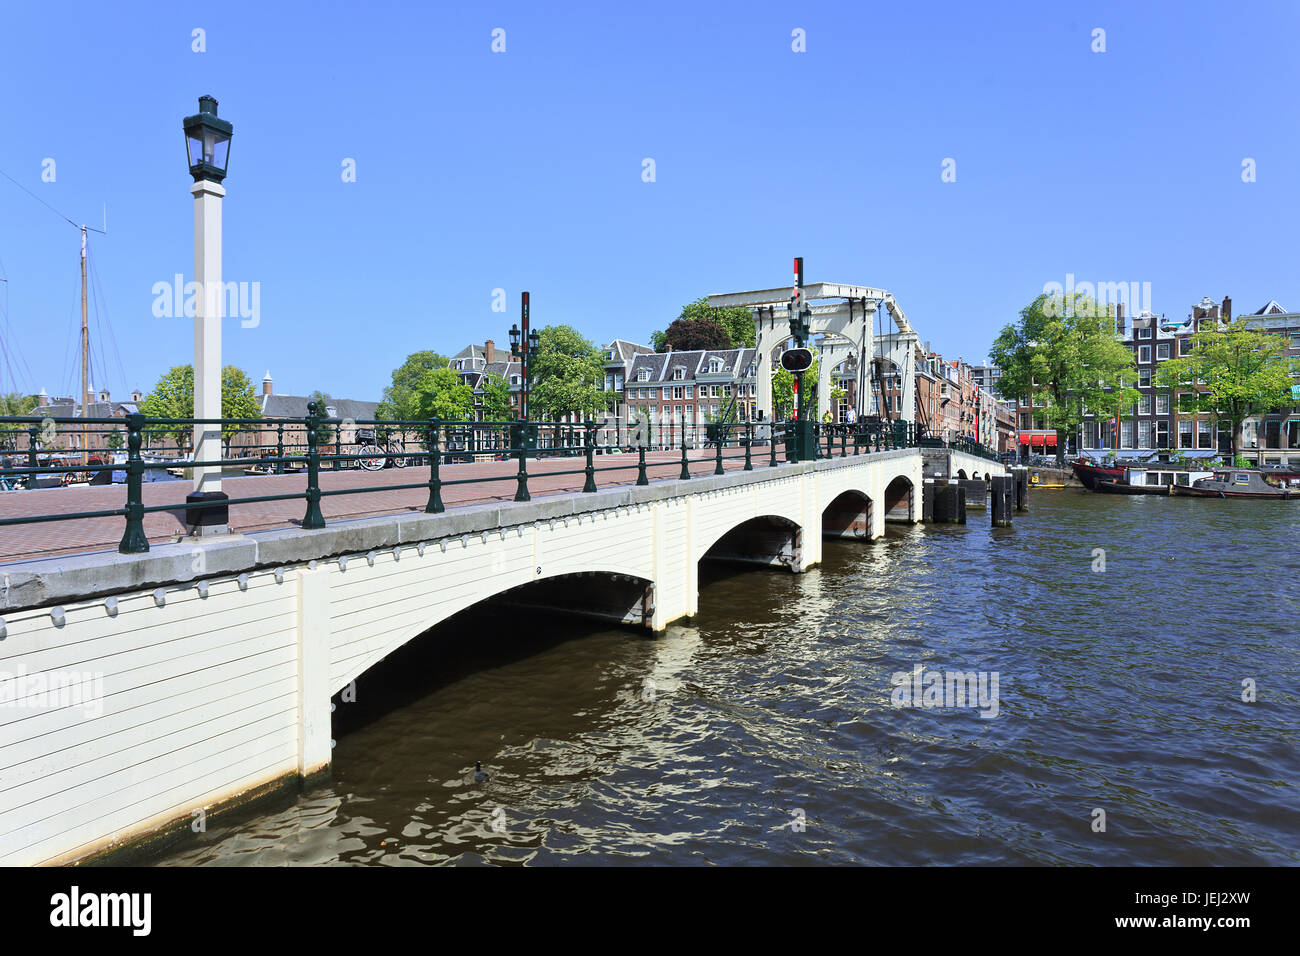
(1119,690)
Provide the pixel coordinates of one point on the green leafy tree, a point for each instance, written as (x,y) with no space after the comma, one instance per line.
(686,335)
(696,322)
(568,376)
(115,440)
(401,399)
(1064,350)
(173,397)
(441,393)
(1233,373)
(16,404)
(496,398)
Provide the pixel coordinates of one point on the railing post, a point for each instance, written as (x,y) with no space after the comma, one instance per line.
(33,435)
(313,519)
(717,458)
(686,472)
(749,446)
(133,539)
(844,443)
(521,476)
(641,478)
(279,449)
(771,431)
(590,442)
(435,481)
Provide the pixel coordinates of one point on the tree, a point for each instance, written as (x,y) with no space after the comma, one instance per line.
(401,399)
(324,433)
(496,398)
(441,393)
(1065,349)
(1233,373)
(16,404)
(173,397)
(686,335)
(736,322)
(568,376)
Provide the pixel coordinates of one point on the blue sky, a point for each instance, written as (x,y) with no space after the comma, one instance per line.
(523,170)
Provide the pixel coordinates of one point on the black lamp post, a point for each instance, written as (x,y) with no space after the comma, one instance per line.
(523,347)
(207,142)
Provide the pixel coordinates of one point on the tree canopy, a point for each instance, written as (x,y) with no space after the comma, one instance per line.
(324,433)
(783,390)
(1233,373)
(1064,351)
(401,398)
(701,326)
(441,393)
(173,397)
(496,398)
(568,376)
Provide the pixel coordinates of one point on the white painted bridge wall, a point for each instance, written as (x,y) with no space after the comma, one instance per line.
(214,695)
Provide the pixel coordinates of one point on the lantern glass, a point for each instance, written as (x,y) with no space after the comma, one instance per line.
(514,339)
(533,339)
(207,142)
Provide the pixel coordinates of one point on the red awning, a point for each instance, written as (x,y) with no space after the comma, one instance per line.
(1040,439)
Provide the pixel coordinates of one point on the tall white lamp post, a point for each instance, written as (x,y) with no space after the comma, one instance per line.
(207,141)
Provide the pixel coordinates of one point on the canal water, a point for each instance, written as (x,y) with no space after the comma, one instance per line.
(765,730)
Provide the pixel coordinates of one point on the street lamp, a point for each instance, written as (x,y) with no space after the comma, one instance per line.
(207,142)
(523,347)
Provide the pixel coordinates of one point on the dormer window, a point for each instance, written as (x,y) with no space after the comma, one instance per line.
(514,379)
(715,365)
(679,373)
(643,375)
(609,356)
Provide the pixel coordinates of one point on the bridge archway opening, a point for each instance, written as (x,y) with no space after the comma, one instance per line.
(768,541)
(899,500)
(848,516)
(500,631)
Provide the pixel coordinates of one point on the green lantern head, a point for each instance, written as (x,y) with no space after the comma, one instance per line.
(207,142)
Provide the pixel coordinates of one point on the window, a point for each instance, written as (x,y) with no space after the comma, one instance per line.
(715,365)
(1203,435)
(1144,333)
(690,391)
(1186,403)
(715,391)
(1126,435)
(1144,378)
(1185,346)
(1144,406)
(514,379)
(1162,434)
(1162,404)
(1185,435)
(1162,351)
(643,375)
(679,373)
(1144,354)
(1146,433)
(654,392)
(677,391)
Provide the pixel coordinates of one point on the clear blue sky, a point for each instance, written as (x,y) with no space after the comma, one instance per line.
(522,170)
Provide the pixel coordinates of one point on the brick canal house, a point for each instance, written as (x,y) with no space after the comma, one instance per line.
(679,392)
(66,413)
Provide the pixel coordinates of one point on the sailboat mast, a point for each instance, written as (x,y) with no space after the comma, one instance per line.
(85,357)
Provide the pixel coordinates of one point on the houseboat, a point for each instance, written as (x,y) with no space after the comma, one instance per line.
(1243,483)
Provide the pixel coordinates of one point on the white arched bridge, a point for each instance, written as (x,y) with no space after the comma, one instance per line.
(197,675)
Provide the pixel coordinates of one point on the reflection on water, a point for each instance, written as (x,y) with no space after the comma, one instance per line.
(1118,690)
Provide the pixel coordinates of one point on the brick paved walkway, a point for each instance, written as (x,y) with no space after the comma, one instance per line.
(75,536)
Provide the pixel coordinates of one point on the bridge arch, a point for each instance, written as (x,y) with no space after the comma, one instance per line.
(900,500)
(848,515)
(358,642)
(768,540)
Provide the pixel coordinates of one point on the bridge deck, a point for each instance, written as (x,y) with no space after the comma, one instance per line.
(46,539)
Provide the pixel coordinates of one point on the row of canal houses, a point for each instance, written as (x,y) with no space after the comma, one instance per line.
(679,393)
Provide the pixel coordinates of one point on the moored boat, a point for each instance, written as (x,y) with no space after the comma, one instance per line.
(1243,483)
(1091,475)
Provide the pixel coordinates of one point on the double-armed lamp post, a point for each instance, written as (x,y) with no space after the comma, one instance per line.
(207,141)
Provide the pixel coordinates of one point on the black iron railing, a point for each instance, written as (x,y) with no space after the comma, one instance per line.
(157,449)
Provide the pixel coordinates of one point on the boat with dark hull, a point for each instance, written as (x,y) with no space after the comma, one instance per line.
(1243,483)
(1091,475)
